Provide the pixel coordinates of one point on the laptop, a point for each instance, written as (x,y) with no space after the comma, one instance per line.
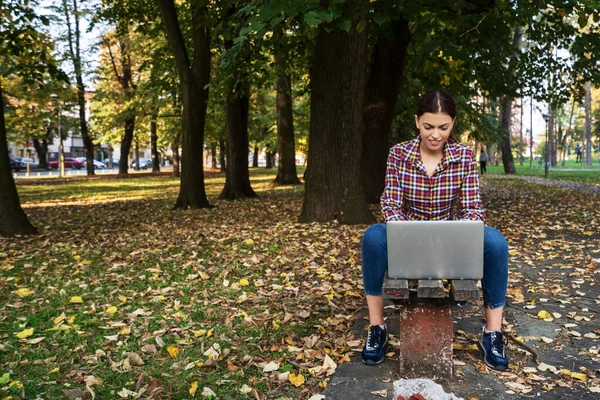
(435,249)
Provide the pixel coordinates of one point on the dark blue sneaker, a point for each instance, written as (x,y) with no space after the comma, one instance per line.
(492,346)
(372,353)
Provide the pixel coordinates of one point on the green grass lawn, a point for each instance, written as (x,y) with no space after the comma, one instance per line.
(570,171)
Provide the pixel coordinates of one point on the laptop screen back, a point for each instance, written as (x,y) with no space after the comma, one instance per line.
(435,249)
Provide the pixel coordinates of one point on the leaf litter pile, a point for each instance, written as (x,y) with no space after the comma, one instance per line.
(121,297)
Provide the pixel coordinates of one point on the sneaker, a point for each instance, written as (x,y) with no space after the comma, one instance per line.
(372,353)
(492,346)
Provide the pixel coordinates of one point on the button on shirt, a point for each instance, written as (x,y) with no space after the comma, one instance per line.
(451,193)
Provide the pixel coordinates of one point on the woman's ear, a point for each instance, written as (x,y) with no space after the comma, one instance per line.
(417,121)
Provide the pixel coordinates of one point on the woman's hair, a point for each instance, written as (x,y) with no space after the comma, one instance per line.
(437,102)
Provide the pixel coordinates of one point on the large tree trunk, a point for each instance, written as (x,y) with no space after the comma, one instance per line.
(380,103)
(255,157)
(12,217)
(237,181)
(194,78)
(154,141)
(286,146)
(505,143)
(334,188)
(75,55)
(126,141)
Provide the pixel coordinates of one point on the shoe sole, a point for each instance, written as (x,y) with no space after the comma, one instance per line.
(482,349)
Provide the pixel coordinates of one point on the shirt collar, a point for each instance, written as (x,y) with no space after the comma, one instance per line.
(412,153)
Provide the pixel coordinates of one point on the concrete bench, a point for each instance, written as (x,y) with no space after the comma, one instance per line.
(426,327)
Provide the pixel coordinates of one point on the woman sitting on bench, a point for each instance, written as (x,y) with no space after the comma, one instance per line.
(424,178)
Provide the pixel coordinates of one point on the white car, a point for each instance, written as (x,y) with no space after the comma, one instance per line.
(97,164)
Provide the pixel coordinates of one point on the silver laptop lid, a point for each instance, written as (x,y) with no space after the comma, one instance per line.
(435,249)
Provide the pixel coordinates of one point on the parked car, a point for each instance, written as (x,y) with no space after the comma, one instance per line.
(145,163)
(69,163)
(97,164)
(17,165)
(25,161)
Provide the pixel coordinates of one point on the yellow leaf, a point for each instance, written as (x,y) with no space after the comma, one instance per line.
(62,317)
(580,376)
(244,282)
(544,314)
(123,299)
(125,330)
(55,370)
(76,300)
(15,385)
(276,325)
(193,388)
(24,292)
(464,346)
(25,333)
(199,333)
(249,242)
(297,380)
(173,351)
(111,310)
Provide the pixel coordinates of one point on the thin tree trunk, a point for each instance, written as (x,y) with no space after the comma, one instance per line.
(175,149)
(269,159)
(588,124)
(380,104)
(154,141)
(505,143)
(334,188)
(521,136)
(126,141)
(194,77)
(286,146)
(222,152)
(255,157)
(237,181)
(531,133)
(13,219)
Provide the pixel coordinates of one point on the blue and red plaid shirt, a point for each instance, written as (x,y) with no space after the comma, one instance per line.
(452,192)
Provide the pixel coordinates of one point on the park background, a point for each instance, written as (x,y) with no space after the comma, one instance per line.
(210,276)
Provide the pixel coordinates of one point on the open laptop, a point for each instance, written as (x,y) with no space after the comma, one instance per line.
(435,249)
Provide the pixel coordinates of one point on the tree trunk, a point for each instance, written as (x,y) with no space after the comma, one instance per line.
(222,152)
(380,104)
(126,141)
(334,188)
(213,155)
(237,181)
(286,145)
(194,78)
(588,124)
(175,149)
(505,143)
(255,158)
(42,151)
(154,141)
(269,159)
(12,217)
(74,39)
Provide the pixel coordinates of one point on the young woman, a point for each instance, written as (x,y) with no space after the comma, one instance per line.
(424,179)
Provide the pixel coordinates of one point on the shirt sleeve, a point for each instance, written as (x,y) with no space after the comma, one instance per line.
(470,197)
(391,198)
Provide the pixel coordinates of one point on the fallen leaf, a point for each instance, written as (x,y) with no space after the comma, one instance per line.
(207,392)
(297,380)
(173,351)
(272,366)
(76,300)
(25,333)
(380,393)
(193,388)
(24,292)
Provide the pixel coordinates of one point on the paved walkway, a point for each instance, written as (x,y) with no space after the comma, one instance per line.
(571,185)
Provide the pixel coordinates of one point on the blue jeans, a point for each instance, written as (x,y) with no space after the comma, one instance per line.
(495,264)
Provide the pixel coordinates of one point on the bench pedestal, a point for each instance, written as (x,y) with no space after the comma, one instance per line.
(426,334)
(426,325)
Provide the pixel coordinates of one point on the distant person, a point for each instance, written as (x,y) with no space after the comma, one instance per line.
(578,152)
(483,159)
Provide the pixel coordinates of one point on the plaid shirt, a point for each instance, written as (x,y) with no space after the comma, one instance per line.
(410,194)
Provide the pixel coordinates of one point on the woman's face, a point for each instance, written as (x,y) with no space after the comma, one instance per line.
(435,130)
